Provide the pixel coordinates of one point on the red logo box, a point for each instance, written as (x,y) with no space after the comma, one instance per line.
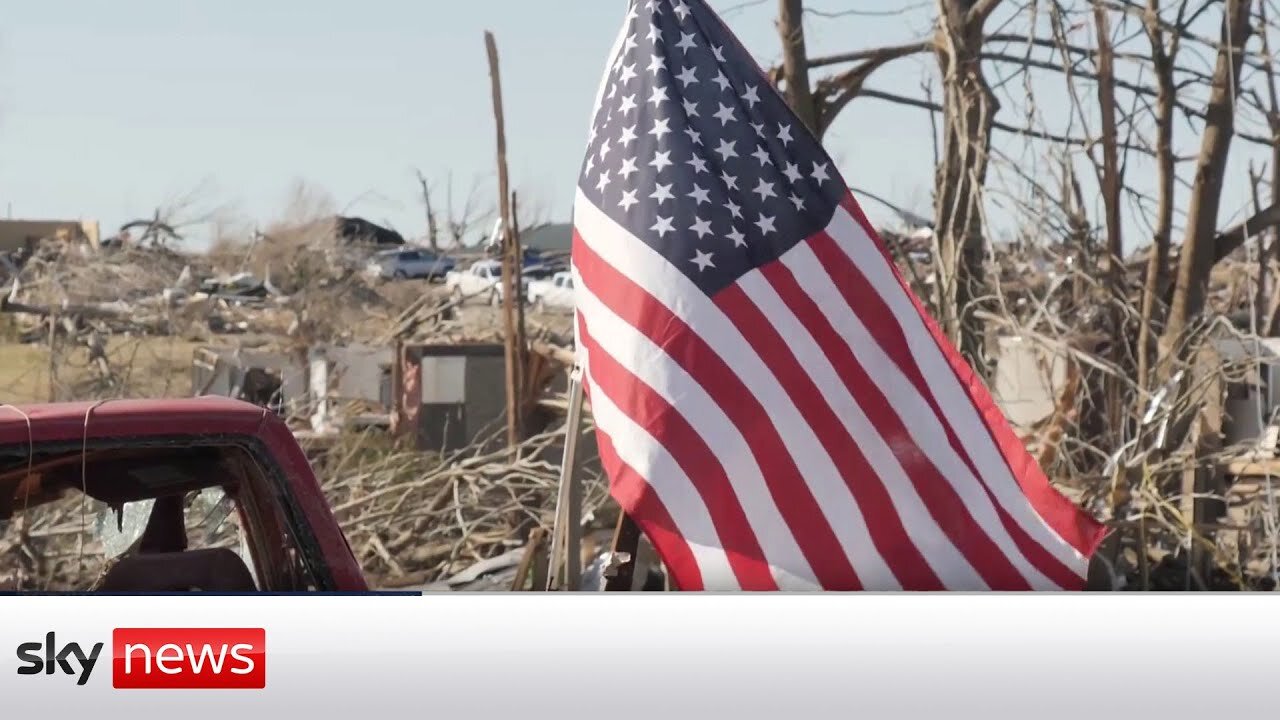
(189,658)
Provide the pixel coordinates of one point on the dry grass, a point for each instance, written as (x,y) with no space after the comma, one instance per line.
(143,367)
(24,373)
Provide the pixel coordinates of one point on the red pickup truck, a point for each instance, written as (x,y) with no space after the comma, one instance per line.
(139,472)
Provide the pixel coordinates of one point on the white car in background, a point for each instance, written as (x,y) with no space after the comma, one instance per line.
(483,280)
(554,292)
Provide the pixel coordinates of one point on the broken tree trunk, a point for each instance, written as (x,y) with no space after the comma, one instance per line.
(511,317)
(100,311)
(1198,247)
(795,62)
(818,104)
(969,109)
(1266,253)
(1228,240)
(1157,279)
(433,226)
(1112,183)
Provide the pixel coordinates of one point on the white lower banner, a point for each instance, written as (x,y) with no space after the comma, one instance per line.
(640,655)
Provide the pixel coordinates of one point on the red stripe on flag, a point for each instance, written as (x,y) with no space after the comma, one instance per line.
(940,498)
(883,522)
(1076,527)
(800,511)
(652,412)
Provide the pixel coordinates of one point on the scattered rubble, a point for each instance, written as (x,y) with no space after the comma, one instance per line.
(307,335)
(374,377)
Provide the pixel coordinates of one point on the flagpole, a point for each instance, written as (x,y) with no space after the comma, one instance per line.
(566,534)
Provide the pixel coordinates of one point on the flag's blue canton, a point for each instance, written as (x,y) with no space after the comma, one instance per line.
(694,152)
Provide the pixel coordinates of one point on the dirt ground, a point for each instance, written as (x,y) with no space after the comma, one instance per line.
(143,366)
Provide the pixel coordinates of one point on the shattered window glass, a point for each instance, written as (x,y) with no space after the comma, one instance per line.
(119,528)
(210,522)
(53,546)
(70,543)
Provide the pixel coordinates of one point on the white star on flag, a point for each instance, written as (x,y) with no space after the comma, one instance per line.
(702,259)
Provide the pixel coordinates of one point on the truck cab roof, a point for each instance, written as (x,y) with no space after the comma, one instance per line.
(52,422)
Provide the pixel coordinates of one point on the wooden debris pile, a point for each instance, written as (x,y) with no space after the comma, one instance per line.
(411,518)
(314,293)
(414,518)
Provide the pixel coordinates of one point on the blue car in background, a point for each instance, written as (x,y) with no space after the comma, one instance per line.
(538,266)
(403,264)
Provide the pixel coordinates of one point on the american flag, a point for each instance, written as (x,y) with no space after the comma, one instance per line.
(773,405)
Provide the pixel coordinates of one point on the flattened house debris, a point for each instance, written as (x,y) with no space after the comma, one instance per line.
(448,395)
(340,376)
(274,380)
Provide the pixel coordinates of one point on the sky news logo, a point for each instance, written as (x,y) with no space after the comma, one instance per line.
(159,658)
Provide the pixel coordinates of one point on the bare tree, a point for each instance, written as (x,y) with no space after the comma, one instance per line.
(473,213)
(1265,312)
(1199,245)
(818,106)
(969,109)
(1133,71)
(433,228)
(795,61)
(1163,55)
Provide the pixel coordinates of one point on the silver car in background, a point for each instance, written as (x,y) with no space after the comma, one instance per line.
(402,264)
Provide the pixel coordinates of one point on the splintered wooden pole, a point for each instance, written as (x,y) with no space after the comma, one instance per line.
(53,358)
(513,309)
(528,560)
(626,541)
(566,534)
(511,294)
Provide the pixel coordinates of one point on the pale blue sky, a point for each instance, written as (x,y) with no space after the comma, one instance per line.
(111,107)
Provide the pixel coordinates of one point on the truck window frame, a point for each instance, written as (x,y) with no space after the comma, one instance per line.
(291,514)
